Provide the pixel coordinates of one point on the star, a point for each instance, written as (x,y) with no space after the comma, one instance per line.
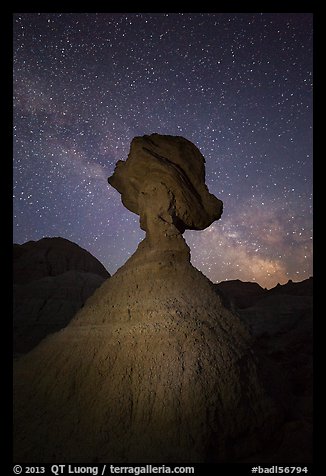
(238,85)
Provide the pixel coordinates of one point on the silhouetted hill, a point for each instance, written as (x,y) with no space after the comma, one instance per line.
(51,257)
(301,288)
(239,293)
(242,294)
(53,278)
(281,323)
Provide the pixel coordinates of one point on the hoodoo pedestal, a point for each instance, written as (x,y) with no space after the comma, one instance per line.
(153,369)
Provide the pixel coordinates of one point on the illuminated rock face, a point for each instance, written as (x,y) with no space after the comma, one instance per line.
(163,181)
(153,369)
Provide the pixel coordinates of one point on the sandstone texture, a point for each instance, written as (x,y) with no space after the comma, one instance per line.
(147,371)
(163,181)
(53,278)
(153,369)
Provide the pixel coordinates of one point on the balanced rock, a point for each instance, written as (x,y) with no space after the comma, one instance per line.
(153,368)
(163,181)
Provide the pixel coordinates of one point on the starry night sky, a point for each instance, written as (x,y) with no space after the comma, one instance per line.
(238,85)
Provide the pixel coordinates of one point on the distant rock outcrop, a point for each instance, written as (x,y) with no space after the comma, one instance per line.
(281,323)
(51,257)
(292,288)
(153,369)
(240,294)
(53,278)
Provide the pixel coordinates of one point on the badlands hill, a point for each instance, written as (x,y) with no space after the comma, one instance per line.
(52,277)
(280,321)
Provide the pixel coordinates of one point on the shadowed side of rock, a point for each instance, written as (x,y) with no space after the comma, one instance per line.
(282,329)
(47,305)
(51,257)
(53,277)
(240,294)
(280,321)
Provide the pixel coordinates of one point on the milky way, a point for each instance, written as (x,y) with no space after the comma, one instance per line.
(239,86)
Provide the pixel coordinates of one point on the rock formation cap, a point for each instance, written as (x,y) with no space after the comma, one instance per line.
(163,181)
